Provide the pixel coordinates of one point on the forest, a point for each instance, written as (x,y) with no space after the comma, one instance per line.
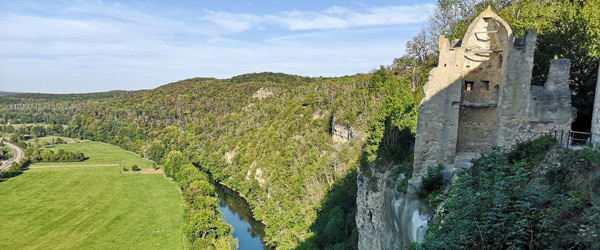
(276,151)
(19,108)
(269,135)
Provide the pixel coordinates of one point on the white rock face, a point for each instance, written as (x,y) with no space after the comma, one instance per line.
(263,93)
(258,176)
(385,217)
(229,157)
(341,132)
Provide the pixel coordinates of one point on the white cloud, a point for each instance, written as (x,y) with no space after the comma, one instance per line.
(342,18)
(232,22)
(95,46)
(335,17)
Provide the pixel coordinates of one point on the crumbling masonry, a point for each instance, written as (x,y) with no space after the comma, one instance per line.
(480,96)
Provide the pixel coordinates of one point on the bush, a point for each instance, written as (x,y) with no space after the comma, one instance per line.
(125,169)
(502,203)
(24,162)
(402,185)
(15,167)
(433,181)
(13,170)
(590,157)
(135,168)
(531,152)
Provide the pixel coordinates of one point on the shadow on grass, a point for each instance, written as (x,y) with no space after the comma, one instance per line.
(5,178)
(7,174)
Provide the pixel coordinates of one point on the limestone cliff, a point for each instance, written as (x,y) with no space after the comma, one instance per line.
(385,217)
(341,132)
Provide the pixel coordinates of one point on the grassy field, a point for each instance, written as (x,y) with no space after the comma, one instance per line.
(100,153)
(52,137)
(90,207)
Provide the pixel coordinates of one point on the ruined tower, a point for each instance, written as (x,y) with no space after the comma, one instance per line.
(479,96)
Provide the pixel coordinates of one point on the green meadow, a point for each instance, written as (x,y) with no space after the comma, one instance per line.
(51,138)
(90,207)
(99,154)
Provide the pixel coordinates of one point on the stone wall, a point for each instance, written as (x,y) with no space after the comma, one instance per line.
(452,117)
(455,123)
(596,113)
(550,105)
(477,129)
(480,96)
(515,96)
(437,123)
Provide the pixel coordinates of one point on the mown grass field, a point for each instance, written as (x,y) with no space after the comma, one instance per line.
(50,138)
(90,207)
(98,154)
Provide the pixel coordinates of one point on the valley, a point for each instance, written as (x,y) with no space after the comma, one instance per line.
(91,205)
(462,141)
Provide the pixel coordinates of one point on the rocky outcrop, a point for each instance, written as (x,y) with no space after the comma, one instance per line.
(341,132)
(263,93)
(229,157)
(258,174)
(385,217)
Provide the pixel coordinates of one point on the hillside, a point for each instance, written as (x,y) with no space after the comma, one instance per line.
(284,142)
(293,145)
(51,108)
(4,93)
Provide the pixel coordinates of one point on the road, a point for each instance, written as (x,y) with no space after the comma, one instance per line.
(17,155)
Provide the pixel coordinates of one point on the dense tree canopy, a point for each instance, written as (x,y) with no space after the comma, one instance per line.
(276,151)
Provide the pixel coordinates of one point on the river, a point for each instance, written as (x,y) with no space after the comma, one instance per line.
(248,231)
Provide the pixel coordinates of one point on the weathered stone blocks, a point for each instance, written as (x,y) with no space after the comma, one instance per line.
(480,96)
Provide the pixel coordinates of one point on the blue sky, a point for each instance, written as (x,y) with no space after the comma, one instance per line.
(89,46)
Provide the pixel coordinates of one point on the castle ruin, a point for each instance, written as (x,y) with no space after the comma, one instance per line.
(480,96)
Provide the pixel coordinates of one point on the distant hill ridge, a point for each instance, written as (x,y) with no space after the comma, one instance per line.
(4,93)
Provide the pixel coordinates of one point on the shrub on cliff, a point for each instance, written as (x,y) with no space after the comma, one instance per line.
(433,181)
(507,201)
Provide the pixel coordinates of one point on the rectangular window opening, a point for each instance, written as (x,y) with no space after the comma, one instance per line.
(486,85)
(468,86)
